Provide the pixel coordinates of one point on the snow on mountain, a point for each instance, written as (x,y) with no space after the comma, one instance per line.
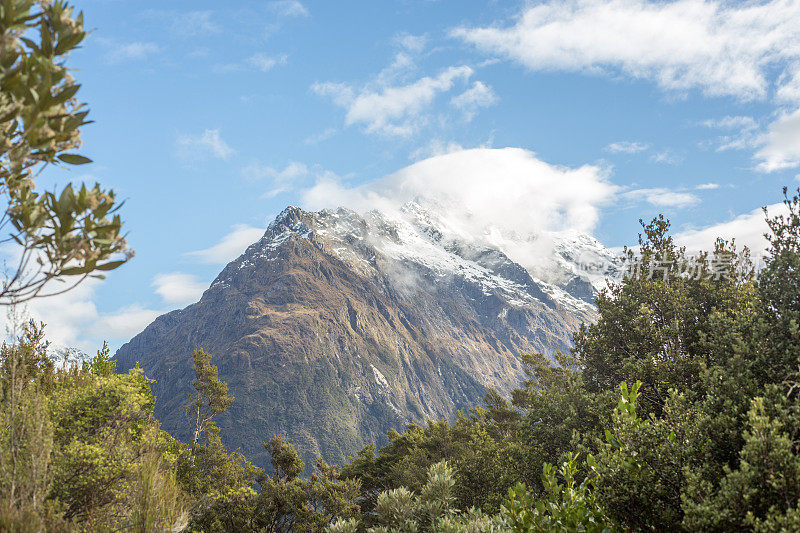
(64,356)
(568,267)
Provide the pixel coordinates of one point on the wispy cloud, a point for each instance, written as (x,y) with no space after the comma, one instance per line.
(178,287)
(291,172)
(272,193)
(286,179)
(264,62)
(707,186)
(288,8)
(662,197)
(121,324)
(777,145)
(393,110)
(184,24)
(259,61)
(666,157)
(436,147)
(730,122)
(230,246)
(193,23)
(738,133)
(124,52)
(781,144)
(192,148)
(627,147)
(411,43)
(477,96)
(321,136)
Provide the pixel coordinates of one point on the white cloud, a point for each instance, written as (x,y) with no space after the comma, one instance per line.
(667,157)
(781,144)
(230,246)
(742,133)
(789,85)
(183,24)
(284,179)
(747,230)
(272,193)
(321,136)
(720,48)
(120,53)
(198,148)
(731,123)
(258,61)
(291,172)
(707,186)
(436,147)
(627,147)
(121,324)
(67,314)
(72,319)
(192,23)
(506,195)
(662,197)
(391,110)
(400,67)
(477,96)
(265,63)
(412,43)
(178,287)
(288,8)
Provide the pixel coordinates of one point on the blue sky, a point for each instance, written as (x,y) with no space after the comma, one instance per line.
(212,117)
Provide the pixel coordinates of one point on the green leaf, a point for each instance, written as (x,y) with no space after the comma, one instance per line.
(111,265)
(74,159)
(75,271)
(66,94)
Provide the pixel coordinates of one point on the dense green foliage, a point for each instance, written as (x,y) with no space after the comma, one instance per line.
(678,410)
(68,234)
(79,447)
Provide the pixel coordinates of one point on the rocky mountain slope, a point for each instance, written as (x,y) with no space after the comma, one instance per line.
(335,327)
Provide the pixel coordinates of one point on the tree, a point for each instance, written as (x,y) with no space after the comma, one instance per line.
(67,235)
(763,490)
(638,472)
(26,432)
(779,288)
(558,410)
(567,507)
(209,399)
(480,447)
(287,502)
(220,483)
(653,325)
(401,510)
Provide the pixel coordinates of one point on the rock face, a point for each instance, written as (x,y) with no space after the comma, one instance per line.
(336,327)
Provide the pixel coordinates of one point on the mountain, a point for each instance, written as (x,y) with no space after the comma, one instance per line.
(65,356)
(335,327)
